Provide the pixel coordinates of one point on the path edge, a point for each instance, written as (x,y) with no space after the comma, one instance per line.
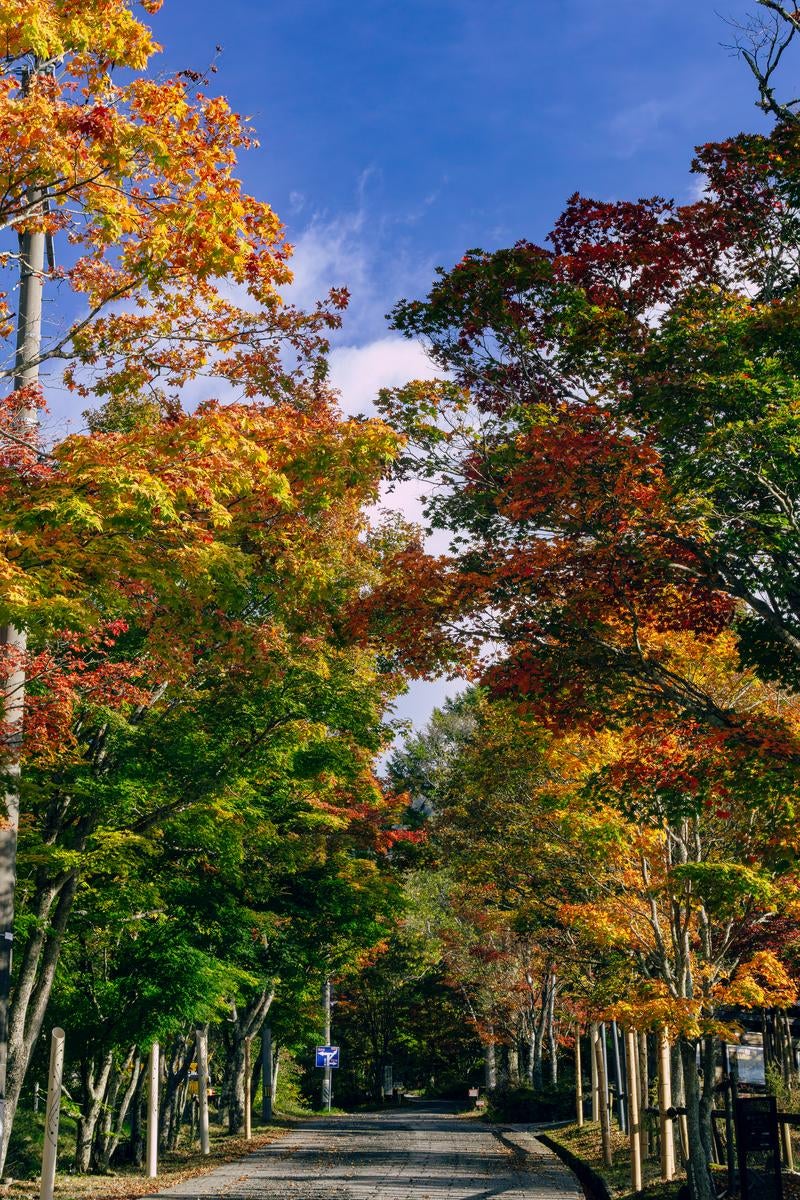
(593,1184)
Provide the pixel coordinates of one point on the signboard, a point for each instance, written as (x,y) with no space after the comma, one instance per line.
(758,1148)
(327,1056)
(388,1082)
(474,1093)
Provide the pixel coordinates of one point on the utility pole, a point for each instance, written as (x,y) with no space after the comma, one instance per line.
(26,374)
(327,1078)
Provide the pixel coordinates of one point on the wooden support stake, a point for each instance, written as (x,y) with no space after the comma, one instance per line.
(152,1113)
(248,1116)
(786,1146)
(634,1111)
(605,1116)
(50,1151)
(664,1103)
(593,1035)
(578,1077)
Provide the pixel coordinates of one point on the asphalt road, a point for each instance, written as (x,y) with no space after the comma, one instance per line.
(391,1156)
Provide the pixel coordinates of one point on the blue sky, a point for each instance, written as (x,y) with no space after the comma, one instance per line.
(397,133)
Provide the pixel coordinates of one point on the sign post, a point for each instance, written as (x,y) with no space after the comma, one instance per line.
(327,1078)
(328,1059)
(758,1145)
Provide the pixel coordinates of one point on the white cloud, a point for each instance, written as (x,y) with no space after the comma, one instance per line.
(636,126)
(359,372)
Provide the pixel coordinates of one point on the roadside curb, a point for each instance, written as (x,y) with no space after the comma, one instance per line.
(592,1183)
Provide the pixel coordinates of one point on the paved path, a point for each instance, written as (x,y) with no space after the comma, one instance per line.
(395,1156)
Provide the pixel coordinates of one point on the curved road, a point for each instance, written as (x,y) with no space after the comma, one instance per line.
(391,1156)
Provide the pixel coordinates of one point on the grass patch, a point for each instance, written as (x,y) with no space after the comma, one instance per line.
(583,1142)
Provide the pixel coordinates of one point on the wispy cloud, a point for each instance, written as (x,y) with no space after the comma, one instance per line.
(636,126)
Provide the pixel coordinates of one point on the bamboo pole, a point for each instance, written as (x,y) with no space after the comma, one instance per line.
(578,1078)
(634,1112)
(665,1103)
(248,1116)
(152,1113)
(53,1112)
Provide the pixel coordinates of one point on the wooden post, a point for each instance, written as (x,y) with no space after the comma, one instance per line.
(578,1078)
(50,1151)
(248,1115)
(786,1145)
(634,1112)
(605,1119)
(152,1113)
(202,1090)
(664,1103)
(593,1035)
(648,1139)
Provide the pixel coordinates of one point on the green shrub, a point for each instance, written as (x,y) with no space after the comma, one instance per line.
(522,1103)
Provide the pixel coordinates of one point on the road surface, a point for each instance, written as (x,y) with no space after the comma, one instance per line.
(405,1155)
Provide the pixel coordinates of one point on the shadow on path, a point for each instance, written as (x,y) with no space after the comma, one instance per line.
(405,1154)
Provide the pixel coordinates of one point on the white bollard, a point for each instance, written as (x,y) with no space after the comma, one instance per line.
(50,1152)
(202,1090)
(152,1114)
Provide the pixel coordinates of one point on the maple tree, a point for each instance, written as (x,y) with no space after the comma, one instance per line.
(207,558)
(635,860)
(165,560)
(619,431)
(177,269)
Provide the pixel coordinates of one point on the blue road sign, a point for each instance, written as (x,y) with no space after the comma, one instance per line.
(327,1056)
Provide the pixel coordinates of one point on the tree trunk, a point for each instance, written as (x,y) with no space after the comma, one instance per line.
(177,1072)
(537,1062)
(37,970)
(513,1065)
(276,1062)
(552,1045)
(697,1164)
(245,1023)
(112,1125)
(578,1078)
(137,1119)
(490,1062)
(93,1092)
(26,374)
